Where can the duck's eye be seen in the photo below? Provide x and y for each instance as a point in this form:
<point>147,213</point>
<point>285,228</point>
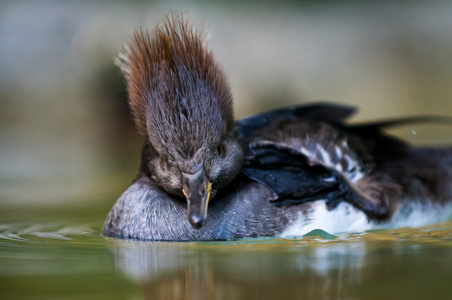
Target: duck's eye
<point>220,150</point>
<point>162,161</point>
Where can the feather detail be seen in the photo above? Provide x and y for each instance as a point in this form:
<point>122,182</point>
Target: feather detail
<point>158,66</point>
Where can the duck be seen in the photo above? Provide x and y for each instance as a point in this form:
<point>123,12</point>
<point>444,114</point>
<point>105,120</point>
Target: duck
<point>206,176</point>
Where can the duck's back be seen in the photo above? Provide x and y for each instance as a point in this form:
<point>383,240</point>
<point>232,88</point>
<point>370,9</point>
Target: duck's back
<point>381,176</point>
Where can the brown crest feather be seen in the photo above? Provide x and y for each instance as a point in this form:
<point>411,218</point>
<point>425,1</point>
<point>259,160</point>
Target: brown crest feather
<point>149,63</point>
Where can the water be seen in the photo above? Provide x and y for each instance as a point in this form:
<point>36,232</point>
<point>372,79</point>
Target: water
<point>60,254</point>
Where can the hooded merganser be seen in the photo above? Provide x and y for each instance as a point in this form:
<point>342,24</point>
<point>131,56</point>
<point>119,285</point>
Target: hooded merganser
<point>289,158</point>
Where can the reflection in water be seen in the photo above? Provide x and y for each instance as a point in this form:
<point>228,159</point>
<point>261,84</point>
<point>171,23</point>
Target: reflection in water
<point>242,271</point>
<point>380,265</point>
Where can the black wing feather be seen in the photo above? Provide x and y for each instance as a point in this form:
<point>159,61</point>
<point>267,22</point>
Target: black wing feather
<point>326,112</point>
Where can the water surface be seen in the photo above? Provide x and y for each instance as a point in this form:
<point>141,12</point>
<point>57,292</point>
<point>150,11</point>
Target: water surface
<point>62,255</point>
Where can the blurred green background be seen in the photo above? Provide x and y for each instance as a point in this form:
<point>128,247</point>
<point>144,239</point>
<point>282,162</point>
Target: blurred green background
<point>66,137</point>
<point>68,147</point>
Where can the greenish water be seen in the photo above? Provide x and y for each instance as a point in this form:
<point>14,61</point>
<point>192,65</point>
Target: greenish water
<point>61,254</point>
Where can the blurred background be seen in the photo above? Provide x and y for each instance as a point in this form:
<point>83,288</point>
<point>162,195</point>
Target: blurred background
<point>66,136</point>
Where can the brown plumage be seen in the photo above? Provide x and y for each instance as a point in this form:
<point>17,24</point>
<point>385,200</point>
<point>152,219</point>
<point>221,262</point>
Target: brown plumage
<point>156,65</point>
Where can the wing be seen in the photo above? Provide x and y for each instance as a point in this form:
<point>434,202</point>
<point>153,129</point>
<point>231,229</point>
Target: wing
<point>289,175</point>
<point>295,178</point>
<point>327,112</point>
<point>307,160</point>
<point>307,153</point>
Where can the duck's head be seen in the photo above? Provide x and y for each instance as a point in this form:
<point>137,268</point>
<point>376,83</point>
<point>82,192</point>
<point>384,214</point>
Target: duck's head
<point>182,104</point>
